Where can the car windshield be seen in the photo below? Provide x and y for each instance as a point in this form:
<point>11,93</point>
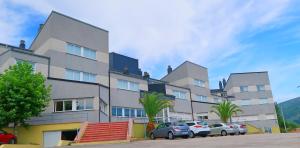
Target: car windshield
<point>2,132</point>
<point>202,123</point>
<point>177,124</point>
<point>190,124</point>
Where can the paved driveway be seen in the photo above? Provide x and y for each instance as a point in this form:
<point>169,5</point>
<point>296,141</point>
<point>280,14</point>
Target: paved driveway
<point>245,141</point>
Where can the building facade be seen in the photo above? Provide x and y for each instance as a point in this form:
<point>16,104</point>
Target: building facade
<point>252,92</point>
<point>91,84</point>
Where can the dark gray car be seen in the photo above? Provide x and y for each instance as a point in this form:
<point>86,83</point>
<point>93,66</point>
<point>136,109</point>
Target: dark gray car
<point>170,130</point>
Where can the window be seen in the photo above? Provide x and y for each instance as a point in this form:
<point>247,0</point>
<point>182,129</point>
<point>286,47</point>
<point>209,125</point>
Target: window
<point>88,77</point>
<point>74,49</point>
<point>73,105</point>
<point>132,113</point>
<point>80,76</point>
<point>114,111</point>
<point>59,106</point>
<point>80,104</point>
<point>128,85</point>
<point>89,104</point>
<point>179,94</point>
<point>143,113</point>
<point>67,105</point>
<point>103,107</point>
<point>200,83</point>
<point>217,100</point>
<point>201,98</point>
<point>73,75</point>
<point>244,88</point>
<point>260,87</point>
<point>127,112</point>
<point>202,117</point>
<point>81,51</point>
<point>119,112</point>
<point>122,84</point>
<point>133,86</point>
<point>263,101</point>
<point>89,53</point>
<point>33,65</point>
<point>245,102</point>
<point>139,113</point>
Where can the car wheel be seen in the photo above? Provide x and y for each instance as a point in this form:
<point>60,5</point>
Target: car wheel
<point>204,135</point>
<point>192,135</point>
<point>12,141</point>
<point>152,136</point>
<point>170,136</point>
<point>223,133</point>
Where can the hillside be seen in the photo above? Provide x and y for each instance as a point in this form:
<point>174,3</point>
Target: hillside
<point>291,110</point>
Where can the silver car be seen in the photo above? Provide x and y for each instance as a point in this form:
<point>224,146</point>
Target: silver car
<point>222,129</point>
<point>242,128</point>
<point>171,130</point>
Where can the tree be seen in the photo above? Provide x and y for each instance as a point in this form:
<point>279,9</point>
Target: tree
<point>23,94</point>
<point>225,110</point>
<point>153,103</point>
<point>289,125</point>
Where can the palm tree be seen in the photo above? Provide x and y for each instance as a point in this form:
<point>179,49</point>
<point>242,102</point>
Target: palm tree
<point>225,110</point>
<point>153,103</point>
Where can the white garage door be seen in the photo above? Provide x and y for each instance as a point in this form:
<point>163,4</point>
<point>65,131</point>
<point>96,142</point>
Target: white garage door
<point>51,139</point>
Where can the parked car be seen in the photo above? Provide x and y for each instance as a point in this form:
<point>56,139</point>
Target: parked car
<point>170,130</point>
<point>7,138</point>
<point>221,129</point>
<point>242,128</point>
<point>198,128</point>
<point>235,129</point>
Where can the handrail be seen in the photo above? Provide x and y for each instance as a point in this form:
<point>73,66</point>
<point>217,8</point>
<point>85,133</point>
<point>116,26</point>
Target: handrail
<point>81,131</point>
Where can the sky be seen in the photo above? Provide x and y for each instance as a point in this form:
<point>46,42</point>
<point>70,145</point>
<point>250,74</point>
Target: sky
<point>224,36</point>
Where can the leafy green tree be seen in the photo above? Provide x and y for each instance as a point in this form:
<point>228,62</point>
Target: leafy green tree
<point>23,94</point>
<point>153,103</point>
<point>289,124</point>
<point>225,110</point>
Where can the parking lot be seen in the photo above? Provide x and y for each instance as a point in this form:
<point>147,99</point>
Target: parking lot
<point>245,141</point>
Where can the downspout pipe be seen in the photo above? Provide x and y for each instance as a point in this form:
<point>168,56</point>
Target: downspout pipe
<point>109,99</point>
<point>192,105</point>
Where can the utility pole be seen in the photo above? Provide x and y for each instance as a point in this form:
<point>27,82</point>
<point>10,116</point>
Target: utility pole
<point>283,118</point>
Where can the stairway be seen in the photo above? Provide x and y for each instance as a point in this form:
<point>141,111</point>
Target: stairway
<point>98,132</point>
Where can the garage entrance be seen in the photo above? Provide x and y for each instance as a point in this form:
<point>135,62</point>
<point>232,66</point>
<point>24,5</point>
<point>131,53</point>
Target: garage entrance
<point>52,138</point>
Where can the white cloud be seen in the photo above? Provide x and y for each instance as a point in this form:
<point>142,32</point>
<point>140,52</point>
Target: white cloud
<point>170,31</point>
<point>10,23</point>
<point>162,32</point>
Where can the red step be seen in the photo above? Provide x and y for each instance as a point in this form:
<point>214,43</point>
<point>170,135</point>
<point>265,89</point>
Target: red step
<point>95,132</point>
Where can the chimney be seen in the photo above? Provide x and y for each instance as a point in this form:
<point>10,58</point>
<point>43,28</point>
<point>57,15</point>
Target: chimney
<point>146,75</point>
<point>169,69</point>
<point>22,44</point>
<point>220,85</point>
<point>140,73</point>
<point>41,27</point>
<point>224,82</point>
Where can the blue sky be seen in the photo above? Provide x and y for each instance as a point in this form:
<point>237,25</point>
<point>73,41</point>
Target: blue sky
<point>224,36</point>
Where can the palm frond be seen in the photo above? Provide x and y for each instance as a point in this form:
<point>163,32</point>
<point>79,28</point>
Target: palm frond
<point>225,110</point>
<point>153,103</point>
